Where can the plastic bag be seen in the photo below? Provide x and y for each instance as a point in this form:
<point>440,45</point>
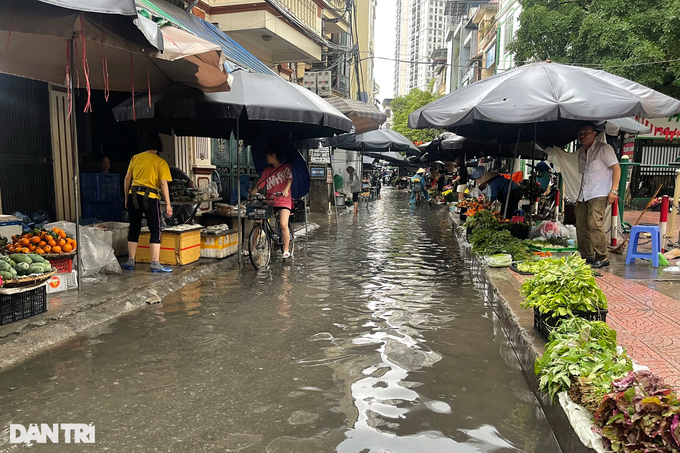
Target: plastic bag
<point>550,230</point>
<point>500,260</point>
<point>95,255</point>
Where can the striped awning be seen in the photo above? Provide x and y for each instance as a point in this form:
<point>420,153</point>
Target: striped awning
<point>237,57</point>
<point>365,117</point>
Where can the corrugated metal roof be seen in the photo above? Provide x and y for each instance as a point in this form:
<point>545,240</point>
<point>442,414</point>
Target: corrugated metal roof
<point>237,56</point>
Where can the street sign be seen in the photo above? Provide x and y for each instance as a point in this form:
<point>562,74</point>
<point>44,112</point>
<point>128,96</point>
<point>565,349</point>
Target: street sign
<point>317,172</point>
<point>320,156</point>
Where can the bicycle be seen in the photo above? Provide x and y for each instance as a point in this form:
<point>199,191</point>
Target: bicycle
<point>262,236</point>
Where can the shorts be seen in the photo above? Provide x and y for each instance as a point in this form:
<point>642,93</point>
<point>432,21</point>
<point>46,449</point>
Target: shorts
<point>461,188</point>
<point>355,197</point>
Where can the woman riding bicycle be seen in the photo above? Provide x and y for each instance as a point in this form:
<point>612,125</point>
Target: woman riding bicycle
<point>277,180</point>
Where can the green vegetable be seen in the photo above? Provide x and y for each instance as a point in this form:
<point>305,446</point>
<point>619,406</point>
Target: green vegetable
<point>484,220</point>
<point>529,266</point>
<point>486,242</point>
<point>21,258</point>
<point>6,276</point>
<point>36,268</point>
<point>562,286</point>
<point>587,355</point>
<point>5,258</point>
<point>22,268</point>
<point>4,266</point>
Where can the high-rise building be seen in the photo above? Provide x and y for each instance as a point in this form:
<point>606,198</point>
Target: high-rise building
<point>401,49</point>
<point>426,23</point>
<point>363,83</point>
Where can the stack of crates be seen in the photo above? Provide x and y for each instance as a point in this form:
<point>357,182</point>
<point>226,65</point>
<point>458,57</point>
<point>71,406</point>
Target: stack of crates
<point>101,196</point>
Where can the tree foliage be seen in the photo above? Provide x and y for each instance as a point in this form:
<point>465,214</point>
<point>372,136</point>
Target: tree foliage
<point>623,37</point>
<point>403,105</point>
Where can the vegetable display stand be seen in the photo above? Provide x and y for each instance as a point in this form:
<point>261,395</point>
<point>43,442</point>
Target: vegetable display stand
<point>22,303</point>
<point>179,245</point>
<point>545,323</point>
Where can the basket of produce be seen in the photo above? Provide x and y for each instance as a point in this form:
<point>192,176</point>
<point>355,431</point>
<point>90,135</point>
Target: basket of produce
<point>24,269</point>
<point>52,244</point>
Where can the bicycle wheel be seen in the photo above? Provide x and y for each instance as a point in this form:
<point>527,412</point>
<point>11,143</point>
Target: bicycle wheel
<point>291,244</point>
<point>259,246</point>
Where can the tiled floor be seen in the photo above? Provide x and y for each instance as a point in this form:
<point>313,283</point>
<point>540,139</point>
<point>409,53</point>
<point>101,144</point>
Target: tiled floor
<point>647,323</point>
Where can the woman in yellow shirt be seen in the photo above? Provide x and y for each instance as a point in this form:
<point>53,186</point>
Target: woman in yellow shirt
<point>146,180</point>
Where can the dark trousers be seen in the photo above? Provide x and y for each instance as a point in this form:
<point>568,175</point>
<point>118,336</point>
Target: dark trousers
<point>513,203</point>
<point>153,218</point>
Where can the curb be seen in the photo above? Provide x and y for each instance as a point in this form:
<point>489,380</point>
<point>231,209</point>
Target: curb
<point>526,344</point>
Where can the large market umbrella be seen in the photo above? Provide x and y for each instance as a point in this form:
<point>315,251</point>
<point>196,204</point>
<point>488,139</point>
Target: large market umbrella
<point>543,101</point>
<point>381,140</point>
<point>256,104</point>
<point>449,146</point>
<point>392,157</point>
<point>365,117</point>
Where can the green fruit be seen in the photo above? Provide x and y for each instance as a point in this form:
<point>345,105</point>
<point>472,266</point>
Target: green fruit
<point>35,269</point>
<point>13,272</point>
<point>4,266</point>
<point>5,258</point>
<point>36,258</point>
<point>47,267</point>
<point>21,258</point>
<point>6,276</point>
<point>22,268</point>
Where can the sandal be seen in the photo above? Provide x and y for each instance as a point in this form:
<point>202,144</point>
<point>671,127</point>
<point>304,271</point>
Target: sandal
<point>245,253</point>
<point>286,255</point>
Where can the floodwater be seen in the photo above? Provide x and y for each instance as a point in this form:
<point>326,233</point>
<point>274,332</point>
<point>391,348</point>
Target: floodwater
<point>374,339</point>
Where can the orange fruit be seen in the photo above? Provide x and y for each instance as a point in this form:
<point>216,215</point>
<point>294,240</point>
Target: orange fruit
<point>42,243</point>
<point>62,234</point>
<point>35,239</point>
<point>74,245</point>
<point>56,249</point>
<point>51,243</point>
<point>24,250</point>
<point>24,242</point>
<point>61,242</point>
<point>39,251</point>
<point>67,248</point>
<point>69,241</point>
<point>32,247</point>
<point>47,248</point>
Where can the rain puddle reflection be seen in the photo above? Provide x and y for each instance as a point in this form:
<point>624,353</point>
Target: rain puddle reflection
<point>374,339</point>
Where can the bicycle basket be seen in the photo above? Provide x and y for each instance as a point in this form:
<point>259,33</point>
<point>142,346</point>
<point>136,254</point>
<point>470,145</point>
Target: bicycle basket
<point>258,210</point>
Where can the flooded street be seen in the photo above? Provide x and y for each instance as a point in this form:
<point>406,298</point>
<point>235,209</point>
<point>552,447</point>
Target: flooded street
<point>374,339</point>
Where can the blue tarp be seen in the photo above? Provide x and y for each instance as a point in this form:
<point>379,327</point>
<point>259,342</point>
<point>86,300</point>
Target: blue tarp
<point>237,56</point>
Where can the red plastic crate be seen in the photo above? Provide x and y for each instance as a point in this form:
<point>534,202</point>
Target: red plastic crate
<point>63,265</point>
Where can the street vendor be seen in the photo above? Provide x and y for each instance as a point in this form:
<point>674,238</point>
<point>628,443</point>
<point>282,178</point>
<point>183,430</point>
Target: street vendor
<point>146,180</point>
<point>498,191</point>
<point>601,173</point>
<point>461,179</point>
<point>418,184</point>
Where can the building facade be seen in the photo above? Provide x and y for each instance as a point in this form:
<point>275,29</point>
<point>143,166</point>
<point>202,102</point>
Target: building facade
<point>401,48</point>
<point>508,24</point>
<point>363,79</point>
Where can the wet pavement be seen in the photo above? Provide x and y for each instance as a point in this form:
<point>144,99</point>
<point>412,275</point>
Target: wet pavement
<point>374,339</point>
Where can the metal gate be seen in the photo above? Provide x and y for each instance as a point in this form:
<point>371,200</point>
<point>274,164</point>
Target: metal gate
<point>646,178</point>
<point>224,158</point>
<point>26,178</point>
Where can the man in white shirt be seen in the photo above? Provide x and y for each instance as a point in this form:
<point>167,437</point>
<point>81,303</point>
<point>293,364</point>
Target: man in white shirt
<point>601,173</point>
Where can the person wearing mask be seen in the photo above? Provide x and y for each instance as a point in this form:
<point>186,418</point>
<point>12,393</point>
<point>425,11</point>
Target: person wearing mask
<point>498,191</point>
<point>601,173</point>
<point>277,180</point>
<point>354,186</point>
<point>145,182</point>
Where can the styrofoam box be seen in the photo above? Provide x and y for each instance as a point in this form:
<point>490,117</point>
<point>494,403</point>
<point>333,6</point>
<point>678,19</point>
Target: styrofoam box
<point>219,246</point>
<point>113,233</point>
<point>62,282</point>
<point>10,225</point>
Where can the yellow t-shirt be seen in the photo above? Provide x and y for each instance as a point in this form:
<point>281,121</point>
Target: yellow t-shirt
<point>147,170</point>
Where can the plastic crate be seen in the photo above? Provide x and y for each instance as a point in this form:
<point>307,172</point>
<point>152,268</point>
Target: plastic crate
<point>14,307</point>
<point>100,187</point>
<point>63,265</point>
<point>544,323</point>
<point>104,211</point>
<point>62,282</point>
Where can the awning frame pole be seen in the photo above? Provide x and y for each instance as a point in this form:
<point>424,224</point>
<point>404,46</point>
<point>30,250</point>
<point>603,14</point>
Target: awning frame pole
<point>74,163</point>
<point>512,167</point>
<point>238,190</point>
<point>335,199</point>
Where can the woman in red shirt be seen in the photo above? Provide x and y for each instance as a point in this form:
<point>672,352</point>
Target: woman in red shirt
<point>277,178</point>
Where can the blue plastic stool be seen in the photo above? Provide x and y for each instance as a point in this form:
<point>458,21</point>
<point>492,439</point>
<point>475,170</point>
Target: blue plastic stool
<point>633,244</point>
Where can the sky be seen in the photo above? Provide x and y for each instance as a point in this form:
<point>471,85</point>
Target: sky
<point>384,38</point>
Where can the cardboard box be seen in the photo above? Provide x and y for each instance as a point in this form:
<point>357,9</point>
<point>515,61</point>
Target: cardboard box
<point>219,245</point>
<point>177,247</point>
<point>62,282</point>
